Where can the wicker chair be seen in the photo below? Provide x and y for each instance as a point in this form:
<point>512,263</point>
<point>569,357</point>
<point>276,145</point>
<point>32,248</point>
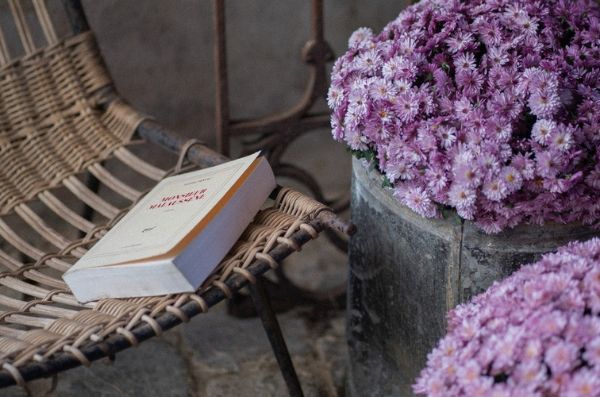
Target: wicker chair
<point>71,164</point>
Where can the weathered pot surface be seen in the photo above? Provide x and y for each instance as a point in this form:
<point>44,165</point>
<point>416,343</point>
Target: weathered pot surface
<point>407,271</point>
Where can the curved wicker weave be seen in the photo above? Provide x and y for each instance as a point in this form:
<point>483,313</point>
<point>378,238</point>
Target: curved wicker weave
<point>60,121</point>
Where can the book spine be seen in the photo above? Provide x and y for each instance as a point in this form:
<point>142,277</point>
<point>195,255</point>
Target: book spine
<point>201,257</point>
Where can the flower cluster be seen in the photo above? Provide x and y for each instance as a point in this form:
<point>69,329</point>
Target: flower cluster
<point>535,334</point>
<point>489,107</point>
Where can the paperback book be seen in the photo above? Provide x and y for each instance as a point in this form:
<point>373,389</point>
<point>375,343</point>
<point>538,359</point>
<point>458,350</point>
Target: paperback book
<point>173,238</point>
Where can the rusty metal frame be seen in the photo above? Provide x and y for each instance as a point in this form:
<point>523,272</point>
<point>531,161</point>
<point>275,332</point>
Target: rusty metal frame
<point>273,135</point>
<point>276,132</point>
<point>279,129</point>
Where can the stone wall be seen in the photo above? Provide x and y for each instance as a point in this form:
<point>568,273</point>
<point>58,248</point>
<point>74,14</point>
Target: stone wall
<point>160,52</point>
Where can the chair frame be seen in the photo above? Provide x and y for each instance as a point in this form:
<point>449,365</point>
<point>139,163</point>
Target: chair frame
<point>153,132</point>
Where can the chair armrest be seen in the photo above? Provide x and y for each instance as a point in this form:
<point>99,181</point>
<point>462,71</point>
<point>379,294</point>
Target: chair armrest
<point>198,154</point>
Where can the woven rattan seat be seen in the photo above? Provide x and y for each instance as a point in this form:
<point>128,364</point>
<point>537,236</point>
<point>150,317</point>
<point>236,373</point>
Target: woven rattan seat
<point>71,164</point>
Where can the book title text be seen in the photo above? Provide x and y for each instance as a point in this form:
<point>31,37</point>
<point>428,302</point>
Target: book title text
<point>170,201</point>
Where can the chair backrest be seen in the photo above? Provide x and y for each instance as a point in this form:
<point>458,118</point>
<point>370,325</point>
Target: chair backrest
<point>53,122</point>
<point>60,122</point>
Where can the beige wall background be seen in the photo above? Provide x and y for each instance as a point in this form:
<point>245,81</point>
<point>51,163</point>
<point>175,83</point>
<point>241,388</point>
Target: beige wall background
<point>160,53</point>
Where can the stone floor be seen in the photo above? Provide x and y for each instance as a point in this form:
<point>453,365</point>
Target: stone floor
<point>218,355</point>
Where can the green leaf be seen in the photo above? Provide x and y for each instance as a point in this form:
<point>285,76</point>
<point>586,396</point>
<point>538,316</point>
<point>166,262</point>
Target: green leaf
<point>386,182</point>
<point>368,154</point>
<point>356,153</point>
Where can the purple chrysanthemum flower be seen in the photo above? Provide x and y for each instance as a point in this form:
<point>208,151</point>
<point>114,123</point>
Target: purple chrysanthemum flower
<point>459,41</point>
<point>543,81</point>
<point>528,24</point>
<point>361,38</point>
<point>359,102</point>
<point>495,189</point>
<point>561,357</point>
<point>461,196</point>
<point>592,351</point>
<point>399,170</point>
<point>512,178</point>
<point>505,106</point>
<point>417,200</point>
<point>402,85</point>
<point>463,108</point>
<point>355,139</point>
<point>335,97</point>
<point>585,383</point>
<point>406,69</point>
<point>520,338</point>
<point>407,106</point>
<point>498,129</point>
<point>464,62</point>
<point>390,68</point>
<point>383,112</point>
<point>382,90</point>
<point>561,140</point>
<point>507,79</point>
<point>524,165</point>
<point>369,61</point>
<point>593,179</point>
<point>470,82</point>
<point>542,131</point>
<point>548,163</point>
<point>497,56</point>
<point>407,46</point>
<point>446,135</point>
<point>544,103</point>
<point>437,180</point>
<point>337,126</point>
<point>467,174</point>
<point>513,83</point>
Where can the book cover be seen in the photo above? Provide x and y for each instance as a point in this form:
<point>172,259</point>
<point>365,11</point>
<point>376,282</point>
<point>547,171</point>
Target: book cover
<point>172,239</point>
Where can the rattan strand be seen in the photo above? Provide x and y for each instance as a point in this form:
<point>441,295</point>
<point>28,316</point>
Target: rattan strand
<point>47,149</point>
<point>52,132</point>
<point>65,329</point>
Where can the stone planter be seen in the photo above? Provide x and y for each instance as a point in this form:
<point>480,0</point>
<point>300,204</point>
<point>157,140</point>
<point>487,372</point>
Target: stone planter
<point>406,272</point>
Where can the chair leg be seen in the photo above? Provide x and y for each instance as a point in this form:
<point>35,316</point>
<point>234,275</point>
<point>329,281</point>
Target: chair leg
<point>271,325</point>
